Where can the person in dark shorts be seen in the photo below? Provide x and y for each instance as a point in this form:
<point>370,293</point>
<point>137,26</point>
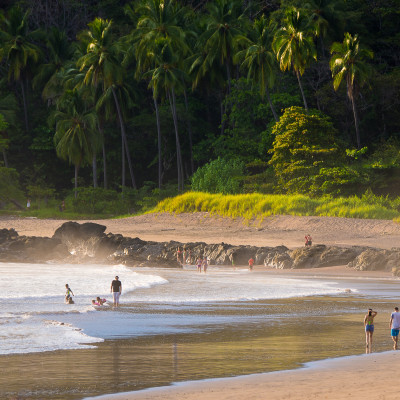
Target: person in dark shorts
<point>68,294</point>
<point>116,290</point>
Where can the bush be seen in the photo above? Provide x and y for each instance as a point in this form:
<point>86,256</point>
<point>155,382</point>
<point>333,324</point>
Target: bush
<point>219,176</point>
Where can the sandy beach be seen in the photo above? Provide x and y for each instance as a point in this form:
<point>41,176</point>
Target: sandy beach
<point>342,378</point>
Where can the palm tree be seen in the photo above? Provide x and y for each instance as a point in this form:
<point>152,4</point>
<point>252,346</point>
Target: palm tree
<point>101,65</point>
<point>294,45</point>
<point>18,50</point>
<point>156,20</point>
<point>223,25</point>
<point>167,77</point>
<point>59,55</point>
<point>75,126</point>
<point>259,60</point>
<point>348,62</point>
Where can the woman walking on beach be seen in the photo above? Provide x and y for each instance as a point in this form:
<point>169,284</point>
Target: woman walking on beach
<point>369,329</point>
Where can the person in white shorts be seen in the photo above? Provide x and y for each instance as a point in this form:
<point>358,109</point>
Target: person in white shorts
<point>394,325</point>
<point>116,290</point>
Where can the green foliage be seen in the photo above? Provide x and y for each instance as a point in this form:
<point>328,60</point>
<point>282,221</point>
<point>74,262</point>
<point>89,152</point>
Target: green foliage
<point>219,176</point>
<point>304,144</point>
<point>9,187</point>
<point>251,206</point>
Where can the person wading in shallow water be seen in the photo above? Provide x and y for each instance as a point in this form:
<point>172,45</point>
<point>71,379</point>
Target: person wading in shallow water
<point>369,329</point>
<point>116,290</point>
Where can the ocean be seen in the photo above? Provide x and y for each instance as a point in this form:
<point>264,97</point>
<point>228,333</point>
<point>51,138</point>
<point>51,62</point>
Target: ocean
<point>183,324</point>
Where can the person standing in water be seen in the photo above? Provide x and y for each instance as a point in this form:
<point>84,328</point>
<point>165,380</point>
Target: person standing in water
<point>68,294</point>
<point>251,263</point>
<point>369,329</point>
<point>199,264</point>
<point>116,290</point>
<point>205,264</point>
<point>394,325</point>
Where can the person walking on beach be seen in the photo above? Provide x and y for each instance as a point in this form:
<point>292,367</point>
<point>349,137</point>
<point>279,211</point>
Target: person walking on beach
<point>394,325</point>
<point>116,290</point>
<point>68,293</point>
<point>369,329</point>
<point>251,263</point>
<point>308,240</point>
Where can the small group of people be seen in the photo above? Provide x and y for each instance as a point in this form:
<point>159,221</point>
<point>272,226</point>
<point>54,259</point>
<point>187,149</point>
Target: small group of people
<point>184,257</point>
<point>394,326</point>
<point>116,290</point>
<point>98,301</point>
<point>202,263</point>
<point>307,240</point>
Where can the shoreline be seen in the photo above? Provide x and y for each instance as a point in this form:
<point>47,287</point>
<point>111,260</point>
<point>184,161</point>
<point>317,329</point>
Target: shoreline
<point>335,378</point>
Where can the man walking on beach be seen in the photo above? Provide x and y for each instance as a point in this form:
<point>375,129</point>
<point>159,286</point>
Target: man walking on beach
<point>394,325</point>
<point>116,290</point>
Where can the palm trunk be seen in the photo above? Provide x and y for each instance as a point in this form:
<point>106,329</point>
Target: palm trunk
<point>222,116</point>
<point>123,133</point>
<point>190,133</point>
<point>353,103</point>
<point>25,104</point>
<point>76,181</point>
<point>94,169</point>
<point>228,75</point>
<point>178,146</point>
<point>5,158</point>
<point>104,155</point>
<point>105,183</point>
<point>158,142</point>
<point>302,92</point>
<point>123,163</point>
<point>270,103</point>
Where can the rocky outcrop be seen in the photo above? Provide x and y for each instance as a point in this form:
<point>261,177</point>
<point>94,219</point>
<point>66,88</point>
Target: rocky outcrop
<point>88,243</point>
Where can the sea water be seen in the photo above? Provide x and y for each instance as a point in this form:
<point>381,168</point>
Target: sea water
<point>35,318</point>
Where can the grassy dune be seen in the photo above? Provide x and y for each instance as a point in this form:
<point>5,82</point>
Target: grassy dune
<point>256,205</point>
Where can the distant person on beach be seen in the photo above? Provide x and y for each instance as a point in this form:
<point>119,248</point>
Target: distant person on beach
<point>68,294</point>
<point>251,263</point>
<point>178,255</point>
<point>308,240</point>
<point>205,264</point>
<point>62,206</point>
<point>369,329</point>
<point>199,264</point>
<point>394,325</point>
<point>28,204</point>
<point>116,290</point>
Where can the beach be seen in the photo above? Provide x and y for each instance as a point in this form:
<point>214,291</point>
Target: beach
<point>224,327</point>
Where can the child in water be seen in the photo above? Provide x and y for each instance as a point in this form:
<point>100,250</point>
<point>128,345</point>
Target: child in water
<point>68,294</point>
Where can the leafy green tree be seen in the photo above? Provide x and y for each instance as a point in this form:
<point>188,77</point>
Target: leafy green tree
<point>18,49</point>
<point>75,127</point>
<point>304,144</point>
<point>3,140</point>
<point>348,62</point>
<point>294,45</point>
<point>219,176</point>
<point>101,65</point>
<point>10,192</point>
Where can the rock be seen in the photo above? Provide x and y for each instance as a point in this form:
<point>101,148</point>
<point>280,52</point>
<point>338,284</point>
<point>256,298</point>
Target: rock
<point>377,260</point>
<point>72,232</point>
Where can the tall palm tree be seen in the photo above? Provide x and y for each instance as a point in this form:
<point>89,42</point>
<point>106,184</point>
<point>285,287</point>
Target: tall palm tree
<point>75,126</point>
<point>18,50</point>
<point>101,65</point>
<point>348,62</point>
<point>156,20</point>
<point>259,60</point>
<point>294,45</point>
<point>167,77</point>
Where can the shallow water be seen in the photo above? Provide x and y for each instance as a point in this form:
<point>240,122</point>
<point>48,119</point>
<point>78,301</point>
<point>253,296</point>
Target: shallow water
<point>180,325</point>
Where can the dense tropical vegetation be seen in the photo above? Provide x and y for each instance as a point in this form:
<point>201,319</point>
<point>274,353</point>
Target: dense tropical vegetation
<point>115,105</point>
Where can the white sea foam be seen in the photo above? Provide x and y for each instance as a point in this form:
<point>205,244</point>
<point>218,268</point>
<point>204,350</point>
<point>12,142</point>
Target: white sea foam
<point>32,304</point>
